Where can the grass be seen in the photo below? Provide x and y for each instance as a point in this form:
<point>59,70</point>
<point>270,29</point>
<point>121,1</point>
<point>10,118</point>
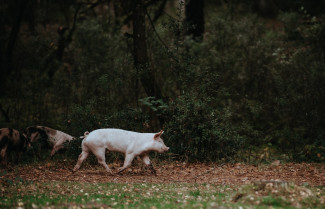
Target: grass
<point>27,194</point>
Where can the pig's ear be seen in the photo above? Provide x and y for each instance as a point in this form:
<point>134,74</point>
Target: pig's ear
<point>157,135</point>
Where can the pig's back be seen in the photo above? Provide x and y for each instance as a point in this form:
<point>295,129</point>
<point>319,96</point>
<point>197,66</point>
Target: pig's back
<point>114,139</point>
<point>110,134</point>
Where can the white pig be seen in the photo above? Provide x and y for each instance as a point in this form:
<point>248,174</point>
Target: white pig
<point>130,143</point>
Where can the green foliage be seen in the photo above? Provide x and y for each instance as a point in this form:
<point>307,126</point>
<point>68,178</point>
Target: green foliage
<point>200,132</point>
<point>300,98</point>
<point>240,82</point>
<point>251,82</point>
<point>156,105</point>
<point>73,148</point>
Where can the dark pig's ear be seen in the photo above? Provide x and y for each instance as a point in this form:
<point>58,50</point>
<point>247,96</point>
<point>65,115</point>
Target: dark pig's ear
<point>157,135</point>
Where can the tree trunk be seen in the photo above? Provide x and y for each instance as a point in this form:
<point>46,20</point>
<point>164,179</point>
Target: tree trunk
<point>267,8</point>
<point>195,18</point>
<point>141,61</point>
<point>7,57</point>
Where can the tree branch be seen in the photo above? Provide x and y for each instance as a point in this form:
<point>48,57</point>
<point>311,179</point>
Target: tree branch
<point>160,11</point>
<point>63,42</point>
<point>154,29</point>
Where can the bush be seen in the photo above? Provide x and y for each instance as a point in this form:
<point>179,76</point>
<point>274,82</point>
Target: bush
<point>199,132</point>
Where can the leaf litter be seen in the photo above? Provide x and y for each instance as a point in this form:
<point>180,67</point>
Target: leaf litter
<point>174,172</point>
<point>289,184</point>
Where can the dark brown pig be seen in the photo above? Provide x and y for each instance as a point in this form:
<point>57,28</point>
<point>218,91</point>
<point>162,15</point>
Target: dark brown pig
<point>12,140</point>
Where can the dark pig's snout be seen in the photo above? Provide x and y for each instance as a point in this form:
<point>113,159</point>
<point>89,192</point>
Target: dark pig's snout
<point>29,146</point>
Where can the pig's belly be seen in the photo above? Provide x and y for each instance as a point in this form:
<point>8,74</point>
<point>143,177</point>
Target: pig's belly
<point>113,147</point>
<point>94,144</point>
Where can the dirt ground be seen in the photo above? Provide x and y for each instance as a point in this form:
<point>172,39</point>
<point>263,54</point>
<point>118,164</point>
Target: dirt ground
<point>175,172</point>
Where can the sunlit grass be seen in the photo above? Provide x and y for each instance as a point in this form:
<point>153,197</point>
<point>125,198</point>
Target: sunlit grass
<point>27,194</point>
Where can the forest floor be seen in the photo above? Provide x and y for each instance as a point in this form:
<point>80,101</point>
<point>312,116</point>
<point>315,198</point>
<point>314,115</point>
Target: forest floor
<point>312,174</point>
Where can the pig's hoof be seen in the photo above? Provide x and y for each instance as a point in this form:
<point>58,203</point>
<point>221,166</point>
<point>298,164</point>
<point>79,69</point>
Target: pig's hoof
<point>119,170</point>
<point>154,172</point>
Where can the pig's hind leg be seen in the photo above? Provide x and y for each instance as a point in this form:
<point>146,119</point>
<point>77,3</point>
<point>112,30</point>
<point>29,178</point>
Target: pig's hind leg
<point>100,154</point>
<point>84,154</point>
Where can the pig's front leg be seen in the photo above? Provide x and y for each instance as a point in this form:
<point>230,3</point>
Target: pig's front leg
<point>19,157</point>
<point>4,156</point>
<point>127,162</point>
<point>146,160</point>
<point>55,149</point>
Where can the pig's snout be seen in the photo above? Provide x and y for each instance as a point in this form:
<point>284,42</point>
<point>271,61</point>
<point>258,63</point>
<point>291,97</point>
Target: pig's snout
<point>165,149</point>
<point>27,144</point>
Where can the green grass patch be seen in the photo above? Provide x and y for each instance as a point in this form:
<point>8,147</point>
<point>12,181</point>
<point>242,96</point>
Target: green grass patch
<point>28,194</point>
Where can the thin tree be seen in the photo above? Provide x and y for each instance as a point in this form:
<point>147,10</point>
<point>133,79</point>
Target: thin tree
<point>195,18</point>
<point>140,54</point>
<point>6,62</point>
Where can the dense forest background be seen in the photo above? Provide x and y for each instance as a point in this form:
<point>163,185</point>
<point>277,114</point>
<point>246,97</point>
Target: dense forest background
<point>226,80</point>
